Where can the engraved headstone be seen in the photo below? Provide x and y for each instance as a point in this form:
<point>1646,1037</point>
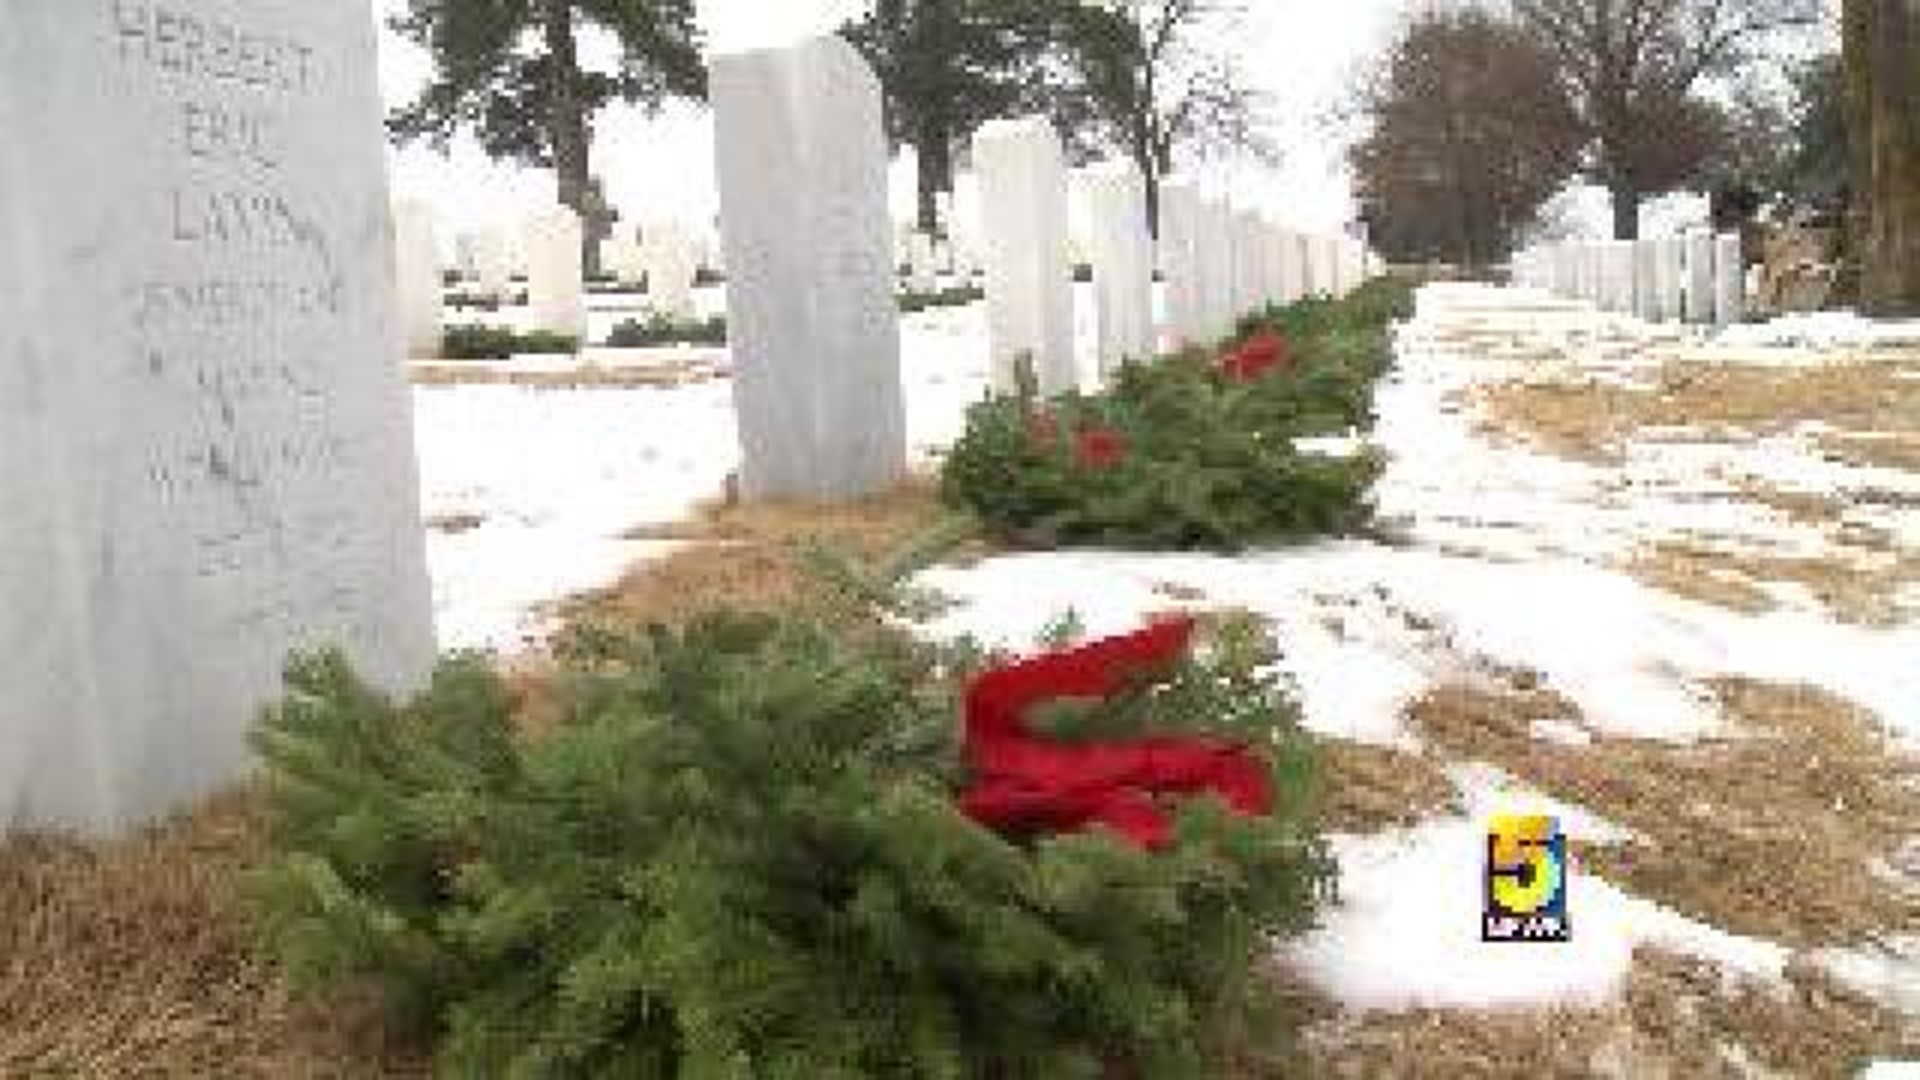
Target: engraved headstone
<point>811,313</point>
<point>1121,248</point>
<point>1023,206</point>
<point>419,278</point>
<point>206,454</point>
<point>555,287</point>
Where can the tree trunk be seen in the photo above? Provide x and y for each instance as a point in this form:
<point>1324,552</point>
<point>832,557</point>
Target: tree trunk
<point>934,147</point>
<point>567,129</point>
<point>1882,72</point>
<point>1626,210</point>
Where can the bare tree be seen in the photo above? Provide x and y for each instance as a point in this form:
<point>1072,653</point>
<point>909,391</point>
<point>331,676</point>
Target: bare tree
<point>1633,67</point>
<point>1164,82</point>
<point>1469,134</point>
<point>1882,58</point>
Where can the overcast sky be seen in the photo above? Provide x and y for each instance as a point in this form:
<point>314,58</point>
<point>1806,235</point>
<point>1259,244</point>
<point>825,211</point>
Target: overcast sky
<point>1301,52</point>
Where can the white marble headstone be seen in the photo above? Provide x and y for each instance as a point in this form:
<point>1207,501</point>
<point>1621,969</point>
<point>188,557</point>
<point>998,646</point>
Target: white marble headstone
<point>1178,257</point>
<point>1023,206</point>
<point>490,262</point>
<point>1121,248</point>
<point>1216,267</point>
<point>418,277</point>
<point>556,291</point>
<point>812,320</point>
<point>1700,277</point>
<point>669,256</point>
<point>1730,280</point>
<point>206,452</point>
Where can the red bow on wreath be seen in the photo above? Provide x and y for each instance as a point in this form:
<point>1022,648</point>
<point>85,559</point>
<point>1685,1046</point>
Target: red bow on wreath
<point>1026,784</point>
<point>1256,356</point>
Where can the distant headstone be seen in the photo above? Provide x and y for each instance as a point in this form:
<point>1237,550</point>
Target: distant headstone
<point>1730,280</point>
<point>1179,262</point>
<point>1616,269</point>
<point>1247,262</point>
<point>1216,267</point>
<point>621,258</point>
<point>419,280</point>
<point>1322,262</point>
<point>1669,278</point>
<point>670,258</point>
<point>1646,274</point>
<point>206,452</point>
<point>492,272</point>
<point>811,315</point>
<point>555,288</point>
<point>923,269</point>
<point>1121,248</point>
<point>1700,278</point>
<point>1293,267</point>
<point>1023,205</point>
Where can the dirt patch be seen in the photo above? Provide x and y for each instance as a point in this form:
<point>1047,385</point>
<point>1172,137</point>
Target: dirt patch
<point>1678,1017</point>
<point>1368,789</point>
<point>586,377</point>
<point>1770,832</point>
<point>134,958</point>
<point>1591,421</point>
<point>1860,583</point>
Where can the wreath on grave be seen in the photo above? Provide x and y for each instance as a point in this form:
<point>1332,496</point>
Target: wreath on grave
<point>754,847</point>
<point>1195,451</point>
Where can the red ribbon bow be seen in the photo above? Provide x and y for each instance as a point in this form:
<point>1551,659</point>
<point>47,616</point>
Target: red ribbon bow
<point>1026,784</point>
<point>1256,356</point>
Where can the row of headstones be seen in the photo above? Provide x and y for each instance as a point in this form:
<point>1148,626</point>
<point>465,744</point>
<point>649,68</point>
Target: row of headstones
<point>1217,263</point>
<point>205,433</point>
<point>1696,278</point>
<point>667,257</point>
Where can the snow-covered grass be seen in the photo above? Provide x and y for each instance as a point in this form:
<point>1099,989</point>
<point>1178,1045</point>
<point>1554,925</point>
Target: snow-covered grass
<point>559,478</point>
<point>1514,559</point>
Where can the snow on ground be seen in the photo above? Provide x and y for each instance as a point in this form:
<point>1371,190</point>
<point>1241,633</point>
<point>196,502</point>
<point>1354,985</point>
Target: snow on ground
<point>558,478</point>
<point>1510,560</point>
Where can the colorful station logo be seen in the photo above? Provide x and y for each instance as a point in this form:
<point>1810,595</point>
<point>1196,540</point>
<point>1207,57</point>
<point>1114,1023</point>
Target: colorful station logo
<point>1526,880</point>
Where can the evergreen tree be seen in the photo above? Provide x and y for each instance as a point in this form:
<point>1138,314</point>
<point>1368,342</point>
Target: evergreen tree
<point>509,71</point>
<point>948,66</point>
